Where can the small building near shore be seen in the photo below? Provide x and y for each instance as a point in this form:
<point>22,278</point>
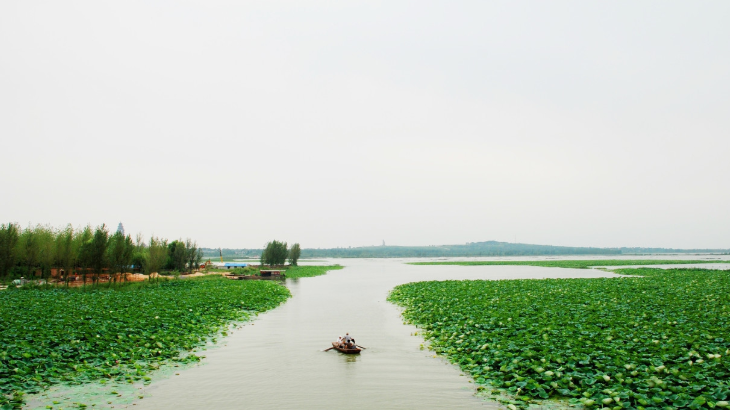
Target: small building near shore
<point>229,265</point>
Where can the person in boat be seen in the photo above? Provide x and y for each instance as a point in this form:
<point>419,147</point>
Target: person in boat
<point>339,341</point>
<point>349,341</point>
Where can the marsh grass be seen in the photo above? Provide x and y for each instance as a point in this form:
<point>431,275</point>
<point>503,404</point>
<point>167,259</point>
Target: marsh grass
<point>294,272</point>
<point>574,264</point>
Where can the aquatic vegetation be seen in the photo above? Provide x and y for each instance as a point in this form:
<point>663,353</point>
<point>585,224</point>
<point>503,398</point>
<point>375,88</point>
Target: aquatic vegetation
<point>576,264</point>
<point>309,271</point>
<point>657,341</point>
<point>79,335</point>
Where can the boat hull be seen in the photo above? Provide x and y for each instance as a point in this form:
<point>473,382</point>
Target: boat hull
<point>345,351</point>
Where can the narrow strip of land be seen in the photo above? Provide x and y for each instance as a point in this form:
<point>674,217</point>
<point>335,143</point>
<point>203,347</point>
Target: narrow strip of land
<point>576,264</point>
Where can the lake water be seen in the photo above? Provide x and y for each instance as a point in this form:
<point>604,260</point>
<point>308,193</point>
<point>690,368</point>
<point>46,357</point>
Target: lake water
<point>277,362</point>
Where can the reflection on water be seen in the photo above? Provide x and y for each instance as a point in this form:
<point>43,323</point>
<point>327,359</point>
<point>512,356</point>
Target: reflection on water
<point>285,348</point>
<point>348,358</point>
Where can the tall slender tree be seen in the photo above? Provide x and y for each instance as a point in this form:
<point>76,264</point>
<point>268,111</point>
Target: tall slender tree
<point>46,249</point>
<point>194,255</point>
<point>98,255</point>
<point>294,254</point>
<point>8,254</point>
<point>120,252</point>
<point>83,242</point>
<point>158,254</point>
<point>29,249</point>
<point>66,252</point>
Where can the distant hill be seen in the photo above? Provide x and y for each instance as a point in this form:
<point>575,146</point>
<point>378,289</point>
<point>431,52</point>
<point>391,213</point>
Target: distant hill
<point>488,248</point>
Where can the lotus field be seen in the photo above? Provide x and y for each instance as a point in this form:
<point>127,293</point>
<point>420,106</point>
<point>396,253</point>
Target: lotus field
<point>577,264</point>
<point>79,335</point>
<point>294,272</point>
<point>656,341</point>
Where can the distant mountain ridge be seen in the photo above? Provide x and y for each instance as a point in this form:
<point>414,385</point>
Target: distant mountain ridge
<point>487,248</point>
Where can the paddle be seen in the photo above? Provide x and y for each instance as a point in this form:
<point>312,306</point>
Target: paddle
<point>360,347</point>
<point>328,349</point>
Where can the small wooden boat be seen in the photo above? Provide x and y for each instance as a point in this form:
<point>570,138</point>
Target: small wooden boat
<point>356,350</point>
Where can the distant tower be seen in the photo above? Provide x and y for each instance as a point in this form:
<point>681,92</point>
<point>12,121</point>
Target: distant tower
<point>120,228</point>
<point>383,242</point>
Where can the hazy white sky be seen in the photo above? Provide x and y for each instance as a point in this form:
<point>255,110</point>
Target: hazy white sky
<point>343,123</point>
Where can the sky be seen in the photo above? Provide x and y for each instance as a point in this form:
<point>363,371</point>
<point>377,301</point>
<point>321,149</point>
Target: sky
<point>349,123</point>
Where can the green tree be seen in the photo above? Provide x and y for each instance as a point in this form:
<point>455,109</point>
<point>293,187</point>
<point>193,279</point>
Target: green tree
<point>194,255</point>
<point>141,260</point>
<point>157,254</point>
<point>141,255</point>
<point>120,252</point>
<point>83,243</point>
<point>66,252</point>
<point>178,255</point>
<point>97,252</point>
<point>294,253</point>
<point>29,249</point>
<point>8,254</point>
<point>275,253</point>
<point>46,249</point>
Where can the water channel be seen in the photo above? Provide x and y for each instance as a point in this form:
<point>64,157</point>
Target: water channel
<point>277,361</point>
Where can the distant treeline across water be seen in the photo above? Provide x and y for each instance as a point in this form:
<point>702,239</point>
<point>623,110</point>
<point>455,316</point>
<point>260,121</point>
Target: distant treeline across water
<point>488,248</point>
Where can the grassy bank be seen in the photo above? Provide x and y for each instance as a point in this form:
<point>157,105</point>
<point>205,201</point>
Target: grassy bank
<point>309,271</point>
<point>61,335</point>
<point>650,342</point>
<point>575,264</point>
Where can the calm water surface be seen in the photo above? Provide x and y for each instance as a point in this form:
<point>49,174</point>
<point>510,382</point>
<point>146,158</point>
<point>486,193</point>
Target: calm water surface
<point>278,361</point>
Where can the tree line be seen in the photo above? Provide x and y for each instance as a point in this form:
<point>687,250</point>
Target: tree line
<point>488,248</point>
<point>89,251</point>
<point>276,253</point>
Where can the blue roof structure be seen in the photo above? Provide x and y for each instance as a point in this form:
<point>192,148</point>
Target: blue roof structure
<point>235,265</point>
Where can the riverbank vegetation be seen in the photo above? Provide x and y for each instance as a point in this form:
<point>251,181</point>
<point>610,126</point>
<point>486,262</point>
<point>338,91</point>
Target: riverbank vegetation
<point>76,335</point>
<point>291,272</point>
<point>576,264</point>
<point>276,253</point>
<point>40,251</point>
<point>294,272</point>
<point>659,340</point>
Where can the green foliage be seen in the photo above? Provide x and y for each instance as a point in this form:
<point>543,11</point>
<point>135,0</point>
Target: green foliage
<point>248,270</point>
<point>141,260</point>
<point>633,342</point>
<point>79,335</point>
<point>66,251</point>
<point>275,253</point>
<point>309,271</point>
<point>194,255</point>
<point>177,256</point>
<point>120,252</point>
<point>157,254</point>
<point>29,248</point>
<point>9,236</point>
<point>294,253</point>
<point>97,248</point>
<point>576,264</point>
<point>183,256</point>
